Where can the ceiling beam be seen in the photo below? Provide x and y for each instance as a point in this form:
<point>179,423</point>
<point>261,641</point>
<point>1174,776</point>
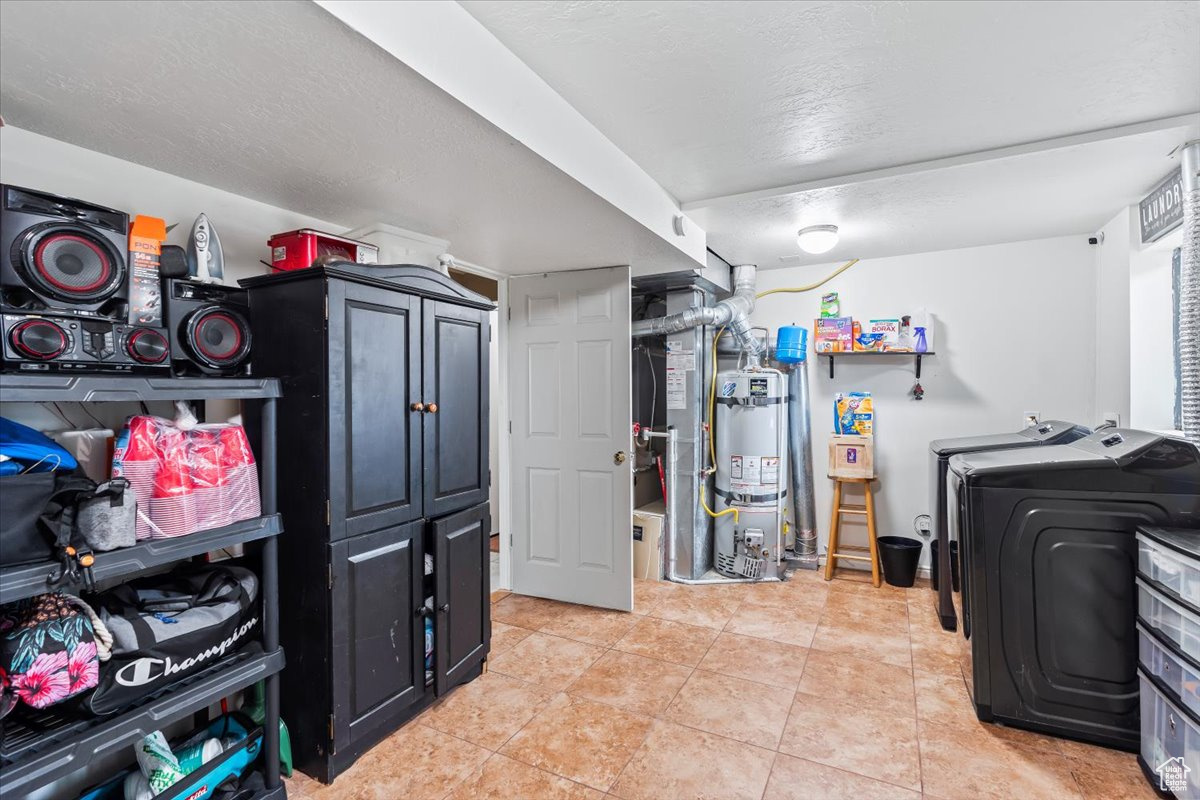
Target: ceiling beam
<point>965,159</point>
<point>454,51</point>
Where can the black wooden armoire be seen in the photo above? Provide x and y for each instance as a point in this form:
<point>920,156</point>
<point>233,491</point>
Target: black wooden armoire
<point>383,481</point>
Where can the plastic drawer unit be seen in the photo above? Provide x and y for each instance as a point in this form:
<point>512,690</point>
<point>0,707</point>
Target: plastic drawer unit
<point>1174,622</point>
<point>1170,750</point>
<point>1171,558</point>
<point>1175,672</point>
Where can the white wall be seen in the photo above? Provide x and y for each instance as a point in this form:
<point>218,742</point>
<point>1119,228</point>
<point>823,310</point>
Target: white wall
<point>1014,326</point>
<point>1152,335</point>
<point>1135,371</point>
<point>1112,323</point>
<point>39,162</point>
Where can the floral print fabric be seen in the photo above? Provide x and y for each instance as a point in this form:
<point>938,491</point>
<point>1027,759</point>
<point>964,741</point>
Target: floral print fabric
<point>49,652</point>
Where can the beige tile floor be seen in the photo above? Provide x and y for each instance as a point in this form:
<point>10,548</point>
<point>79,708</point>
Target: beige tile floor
<point>793,691</point>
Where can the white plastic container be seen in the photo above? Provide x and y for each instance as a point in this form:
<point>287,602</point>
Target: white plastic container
<point>1169,734</point>
<point>1169,559</point>
<point>1175,672</point>
<point>1172,621</point>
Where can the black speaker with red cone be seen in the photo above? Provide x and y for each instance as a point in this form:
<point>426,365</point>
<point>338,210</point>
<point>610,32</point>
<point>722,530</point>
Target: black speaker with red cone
<point>67,343</point>
<point>209,328</point>
<point>62,256</point>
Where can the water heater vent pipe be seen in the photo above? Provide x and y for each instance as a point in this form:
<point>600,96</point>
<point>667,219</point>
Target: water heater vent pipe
<point>733,313</point>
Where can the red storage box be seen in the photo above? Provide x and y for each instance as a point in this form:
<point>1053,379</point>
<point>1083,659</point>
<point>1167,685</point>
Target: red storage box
<point>298,249</point>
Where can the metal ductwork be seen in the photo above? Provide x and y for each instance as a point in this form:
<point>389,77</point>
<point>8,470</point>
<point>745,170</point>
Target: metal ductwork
<point>732,312</point>
<point>1189,295</point>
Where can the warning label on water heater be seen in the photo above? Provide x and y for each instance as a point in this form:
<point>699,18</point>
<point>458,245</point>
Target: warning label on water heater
<point>752,471</point>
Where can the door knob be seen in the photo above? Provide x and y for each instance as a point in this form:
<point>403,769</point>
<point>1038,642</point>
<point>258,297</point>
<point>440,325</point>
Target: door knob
<point>619,457</point>
<point>431,408</point>
<point>418,406</point>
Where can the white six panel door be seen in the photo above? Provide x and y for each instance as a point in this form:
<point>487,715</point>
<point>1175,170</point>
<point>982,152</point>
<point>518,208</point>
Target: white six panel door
<point>570,404</point>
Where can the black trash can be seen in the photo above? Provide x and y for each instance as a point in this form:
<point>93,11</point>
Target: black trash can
<point>898,555</point>
<point>933,564</point>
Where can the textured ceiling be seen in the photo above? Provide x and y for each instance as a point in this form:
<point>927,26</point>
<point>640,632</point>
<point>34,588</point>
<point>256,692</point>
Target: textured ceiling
<point>719,98</point>
<point>1070,191</point>
<point>279,102</point>
<point>716,98</point>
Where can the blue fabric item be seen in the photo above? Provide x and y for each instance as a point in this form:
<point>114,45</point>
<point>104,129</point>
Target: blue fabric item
<point>29,447</point>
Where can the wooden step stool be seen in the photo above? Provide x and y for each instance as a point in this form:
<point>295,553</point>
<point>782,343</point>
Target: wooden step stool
<point>835,524</point>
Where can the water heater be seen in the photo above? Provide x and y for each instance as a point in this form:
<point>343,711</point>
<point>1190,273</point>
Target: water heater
<point>752,477</point>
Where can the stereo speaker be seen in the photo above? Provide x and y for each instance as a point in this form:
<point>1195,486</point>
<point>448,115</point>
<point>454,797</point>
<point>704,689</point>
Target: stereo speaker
<point>209,328</point>
<point>45,343</point>
<point>62,256</point>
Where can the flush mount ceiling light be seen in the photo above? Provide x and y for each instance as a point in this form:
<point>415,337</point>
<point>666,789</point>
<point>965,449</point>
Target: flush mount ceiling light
<point>817,239</point>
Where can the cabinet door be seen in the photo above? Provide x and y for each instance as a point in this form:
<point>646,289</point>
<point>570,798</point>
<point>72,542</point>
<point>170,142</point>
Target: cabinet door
<point>456,380</point>
<point>462,594</point>
<point>378,658</point>
<point>374,373</point>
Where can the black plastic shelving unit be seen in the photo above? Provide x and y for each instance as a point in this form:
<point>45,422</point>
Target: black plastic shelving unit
<point>42,756</point>
<point>17,583</point>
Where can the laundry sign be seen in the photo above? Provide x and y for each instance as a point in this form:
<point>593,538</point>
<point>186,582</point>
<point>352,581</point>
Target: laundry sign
<point>1162,209</point>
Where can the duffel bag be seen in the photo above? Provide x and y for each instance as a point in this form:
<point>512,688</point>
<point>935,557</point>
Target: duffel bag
<point>22,539</point>
<point>166,628</point>
<point>54,532</point>
<point>49,651</point>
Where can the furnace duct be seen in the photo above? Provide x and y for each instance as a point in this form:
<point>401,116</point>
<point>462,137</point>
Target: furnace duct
<point>733,313</point>
<point>1189,295</point>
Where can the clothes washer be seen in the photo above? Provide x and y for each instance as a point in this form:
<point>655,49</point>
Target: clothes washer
<point>1045,433</point>
<point>1046,538</point>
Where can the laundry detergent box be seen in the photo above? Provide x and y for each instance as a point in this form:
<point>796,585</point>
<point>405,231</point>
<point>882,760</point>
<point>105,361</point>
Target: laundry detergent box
<point>834,335</point>
<point>866,341</point>
<point>888,331</point>
<point>853,414</point>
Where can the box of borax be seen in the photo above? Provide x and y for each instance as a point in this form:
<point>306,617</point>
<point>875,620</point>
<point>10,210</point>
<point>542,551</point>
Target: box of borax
<point>851,457</point>
<point>888,328</point>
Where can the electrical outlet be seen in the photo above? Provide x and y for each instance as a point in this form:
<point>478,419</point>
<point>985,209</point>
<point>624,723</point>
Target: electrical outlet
<point>1032,418</point>
<point>923,525</point>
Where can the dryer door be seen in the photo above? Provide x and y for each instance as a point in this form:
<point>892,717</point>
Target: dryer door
<point>1067,608</point>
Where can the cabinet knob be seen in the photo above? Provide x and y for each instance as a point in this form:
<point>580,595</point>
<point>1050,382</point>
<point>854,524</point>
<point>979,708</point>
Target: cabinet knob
<point>418,406</point>
<point>431,408</point>
<point>444,608</point>
<point>423,611</point>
